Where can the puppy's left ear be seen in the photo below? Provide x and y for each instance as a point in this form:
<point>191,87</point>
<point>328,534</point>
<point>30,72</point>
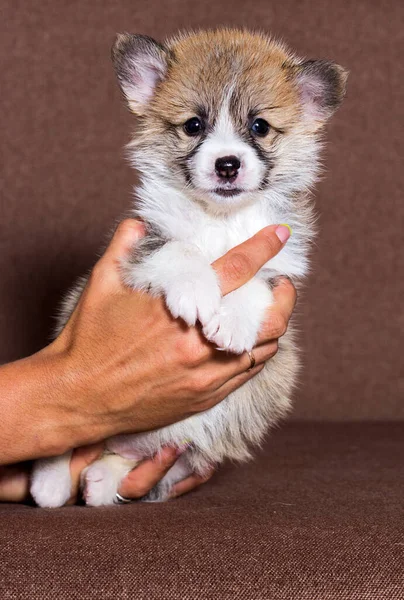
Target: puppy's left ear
<point>322,86</point>
<point>140,64</point>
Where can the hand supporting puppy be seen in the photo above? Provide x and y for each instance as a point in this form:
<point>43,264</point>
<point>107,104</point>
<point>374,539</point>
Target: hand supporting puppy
<point>102,377</point>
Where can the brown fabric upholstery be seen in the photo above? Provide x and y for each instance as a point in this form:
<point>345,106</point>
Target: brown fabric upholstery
<point>318,516</point>
<point>64,180</point>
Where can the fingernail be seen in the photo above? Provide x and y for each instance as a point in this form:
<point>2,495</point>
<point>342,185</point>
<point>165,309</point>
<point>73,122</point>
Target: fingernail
<point>283,231</point>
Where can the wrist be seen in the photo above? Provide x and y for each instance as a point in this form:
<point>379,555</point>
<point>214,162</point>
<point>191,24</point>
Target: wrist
<point>31,417</point>
<point>73,418</point>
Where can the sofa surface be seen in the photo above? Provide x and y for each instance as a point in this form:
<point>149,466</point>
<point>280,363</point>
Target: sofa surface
<point>317,516</point>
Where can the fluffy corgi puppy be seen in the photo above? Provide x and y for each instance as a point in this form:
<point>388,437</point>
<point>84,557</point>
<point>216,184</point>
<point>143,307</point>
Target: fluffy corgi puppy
<point>228,140</point>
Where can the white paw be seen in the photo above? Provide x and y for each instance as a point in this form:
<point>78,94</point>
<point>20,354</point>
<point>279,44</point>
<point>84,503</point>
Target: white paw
<point>99,485</point>
<point>230,332</point>
<point>100,482</point>
<point>51,488</point>
<point>194,298</point>
<point>235,327</point>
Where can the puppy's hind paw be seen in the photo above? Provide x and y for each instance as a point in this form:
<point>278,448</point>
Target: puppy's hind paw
<point>51,481</point>
<point>99,485</point>
<point>100,481</point>
<point>50,491</point>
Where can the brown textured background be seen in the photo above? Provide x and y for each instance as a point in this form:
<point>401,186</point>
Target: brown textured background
<point>64,180</point>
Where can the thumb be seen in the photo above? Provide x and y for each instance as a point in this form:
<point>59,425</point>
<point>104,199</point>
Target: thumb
<point>125,237</point>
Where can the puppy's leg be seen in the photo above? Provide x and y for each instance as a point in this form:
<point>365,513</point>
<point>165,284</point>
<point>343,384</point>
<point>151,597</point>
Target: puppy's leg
<point>185,278</point>
<point>51,481</point>
<point>235,327</point>
<point>101,480</point>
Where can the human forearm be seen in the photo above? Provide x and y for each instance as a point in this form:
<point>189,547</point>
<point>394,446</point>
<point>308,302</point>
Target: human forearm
<point>40,413</point>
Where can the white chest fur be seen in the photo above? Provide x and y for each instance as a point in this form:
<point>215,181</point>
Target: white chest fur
<point>182,219</point>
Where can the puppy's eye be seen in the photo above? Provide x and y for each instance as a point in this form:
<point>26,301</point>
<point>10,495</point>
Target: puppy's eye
<point>260,127</point>
<point>193,126</point>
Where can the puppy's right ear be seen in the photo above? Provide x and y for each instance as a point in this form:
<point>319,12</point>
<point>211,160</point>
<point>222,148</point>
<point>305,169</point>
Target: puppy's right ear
<point>140,64</point>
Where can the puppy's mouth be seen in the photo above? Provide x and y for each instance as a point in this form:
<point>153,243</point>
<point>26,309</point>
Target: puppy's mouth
<point>227,192</point>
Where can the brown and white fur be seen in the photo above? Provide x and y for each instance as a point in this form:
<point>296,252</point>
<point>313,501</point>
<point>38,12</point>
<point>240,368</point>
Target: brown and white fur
<point>195,212</point>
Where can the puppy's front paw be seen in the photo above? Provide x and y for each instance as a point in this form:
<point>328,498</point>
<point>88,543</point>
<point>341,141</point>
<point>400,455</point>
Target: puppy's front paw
<point>235,327</point>
<point>194,297</point>
<point>231,332</point>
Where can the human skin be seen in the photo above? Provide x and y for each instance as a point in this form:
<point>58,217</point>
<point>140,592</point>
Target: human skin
<point>102,376</point>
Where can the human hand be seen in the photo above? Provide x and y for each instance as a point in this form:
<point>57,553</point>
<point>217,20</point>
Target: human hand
<point>122,364</point>
<point>136,367</point>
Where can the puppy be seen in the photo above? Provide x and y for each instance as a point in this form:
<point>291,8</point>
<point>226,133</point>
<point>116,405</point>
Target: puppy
<point>228,142</point>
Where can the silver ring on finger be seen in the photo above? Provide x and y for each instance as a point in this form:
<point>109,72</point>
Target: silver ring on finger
<point>121,499</point>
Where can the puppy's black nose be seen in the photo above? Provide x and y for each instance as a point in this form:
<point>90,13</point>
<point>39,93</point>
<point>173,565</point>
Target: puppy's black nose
<point>227,167</point>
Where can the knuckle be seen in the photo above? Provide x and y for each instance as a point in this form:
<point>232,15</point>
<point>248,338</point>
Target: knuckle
<point>167,462</point>
<point>277,326</point>
<point>237,265</point>
<point>289,289</point>
<point>192,350</point>
<point>126,226</point>
<point>166,457</point>
<point>197,355</point>
<point>285,290</point>
<point>98,273</point>
<point>274,349</point>
<point>201,383</point>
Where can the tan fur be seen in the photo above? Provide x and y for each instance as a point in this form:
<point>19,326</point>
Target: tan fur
<point>209,63</point>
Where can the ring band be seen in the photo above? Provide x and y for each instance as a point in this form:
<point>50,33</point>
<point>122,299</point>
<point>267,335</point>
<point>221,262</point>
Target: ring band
<point>252,361</point>
<point>121,500</point>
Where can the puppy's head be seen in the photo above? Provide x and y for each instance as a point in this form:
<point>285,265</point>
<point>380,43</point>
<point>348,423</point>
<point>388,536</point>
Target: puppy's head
<point>226,114</point>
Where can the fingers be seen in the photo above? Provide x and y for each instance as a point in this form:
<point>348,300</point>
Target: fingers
<point>125,237</point>
<point>189,484</point>
<point>126,234</point>
<point>144,477</point>
<point>234,383</point>
<point>241,263</point>
<point>82,458</point>
<point>223,367</point>
<point>278,315</point>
